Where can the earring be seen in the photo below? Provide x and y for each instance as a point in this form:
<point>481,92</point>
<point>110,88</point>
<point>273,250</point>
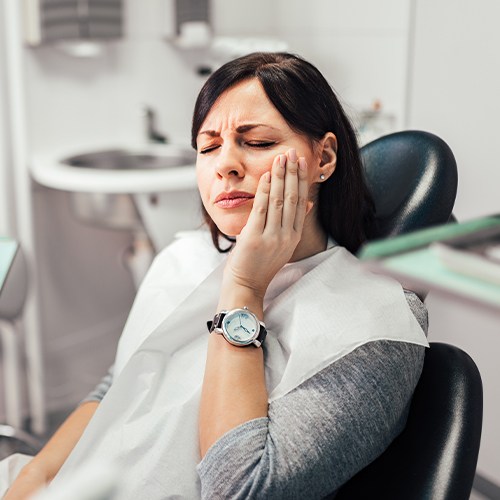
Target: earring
<point>322,177</point>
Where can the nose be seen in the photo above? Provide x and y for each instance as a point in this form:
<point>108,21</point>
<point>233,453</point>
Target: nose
<point>229,162</point>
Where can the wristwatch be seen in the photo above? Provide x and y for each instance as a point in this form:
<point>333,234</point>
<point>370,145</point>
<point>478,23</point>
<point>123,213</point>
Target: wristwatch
<point>239,327</point>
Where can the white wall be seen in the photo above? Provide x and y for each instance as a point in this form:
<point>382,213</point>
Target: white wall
<point>360,46</point>
<point>455,82</point>
<point>454,93</point>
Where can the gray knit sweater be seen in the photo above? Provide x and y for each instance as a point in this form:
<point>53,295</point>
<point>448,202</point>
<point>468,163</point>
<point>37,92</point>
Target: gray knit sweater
<point>320,434</point>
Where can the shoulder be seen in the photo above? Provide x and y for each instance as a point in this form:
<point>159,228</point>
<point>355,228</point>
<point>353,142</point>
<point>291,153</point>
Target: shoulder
<point>378,368</point>
<point>418,309</point>
<point>359,402</point>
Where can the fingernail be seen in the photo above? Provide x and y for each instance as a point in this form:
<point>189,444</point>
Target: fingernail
<point>267,177</point>
<point>282,161</point>
<point>292,154</point>
<point>302,163</point>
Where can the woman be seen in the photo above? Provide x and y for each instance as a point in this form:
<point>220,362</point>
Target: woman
<point>291,415</point>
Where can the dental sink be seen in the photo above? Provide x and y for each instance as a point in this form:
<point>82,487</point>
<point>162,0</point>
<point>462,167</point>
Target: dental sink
<point>124,187</point>
<point>121,159</point>
<point>146,168</point>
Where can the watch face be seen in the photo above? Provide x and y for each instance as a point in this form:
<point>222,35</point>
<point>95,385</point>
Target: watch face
<point>240,327</point>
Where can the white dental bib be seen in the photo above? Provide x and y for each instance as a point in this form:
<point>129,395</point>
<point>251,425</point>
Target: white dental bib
<point>316,311</point>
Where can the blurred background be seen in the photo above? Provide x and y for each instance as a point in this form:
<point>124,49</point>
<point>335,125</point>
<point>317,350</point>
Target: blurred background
<point>120,78</point>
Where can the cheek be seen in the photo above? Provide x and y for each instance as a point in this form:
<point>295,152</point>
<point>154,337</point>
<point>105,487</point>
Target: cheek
<point>203,181</point>
<point>313,169</point>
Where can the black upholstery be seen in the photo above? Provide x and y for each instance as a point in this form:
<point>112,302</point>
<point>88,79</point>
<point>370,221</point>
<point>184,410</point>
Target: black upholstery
<point>435,456</point>
<point>412,176</point>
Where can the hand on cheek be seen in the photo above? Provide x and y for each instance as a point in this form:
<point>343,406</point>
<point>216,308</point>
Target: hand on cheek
<point>274,226</point>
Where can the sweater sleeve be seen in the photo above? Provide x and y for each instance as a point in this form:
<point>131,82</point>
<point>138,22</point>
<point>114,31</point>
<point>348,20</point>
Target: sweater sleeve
<point>101,388</point>
<point>324,431</point>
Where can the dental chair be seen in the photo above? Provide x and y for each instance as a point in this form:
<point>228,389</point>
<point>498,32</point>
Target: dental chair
<point>413,178</point>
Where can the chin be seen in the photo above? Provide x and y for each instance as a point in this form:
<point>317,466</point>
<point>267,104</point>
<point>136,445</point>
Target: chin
<point>230,229</point>
<point>231,225</point>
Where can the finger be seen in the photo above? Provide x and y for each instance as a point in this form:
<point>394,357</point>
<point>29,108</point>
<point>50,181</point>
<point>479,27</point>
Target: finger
<point>258,214</point>
<point>291,191</point>
<point>303,205</point>
<point>275,210</point>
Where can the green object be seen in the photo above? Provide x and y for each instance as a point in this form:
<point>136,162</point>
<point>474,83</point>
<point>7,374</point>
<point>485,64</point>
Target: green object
<point>424,267</point>
<point>8,250</point>
<point>423,237</point>
<point>409,259</point>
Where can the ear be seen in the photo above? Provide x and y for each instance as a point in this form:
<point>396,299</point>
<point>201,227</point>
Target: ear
<point>328,155</point>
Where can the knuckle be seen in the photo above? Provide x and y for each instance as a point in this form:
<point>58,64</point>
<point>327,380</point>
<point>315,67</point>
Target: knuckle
<point>261,209</point>
<point>292,169</point>
<point>302,201</point>
<point>292,198</point>
<point>280,173</point>
<point>277,202</point>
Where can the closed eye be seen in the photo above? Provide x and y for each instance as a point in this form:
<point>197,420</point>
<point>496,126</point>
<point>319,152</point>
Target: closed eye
<point>252,144</point>
<point>261,144</point>
<point>207,150</point>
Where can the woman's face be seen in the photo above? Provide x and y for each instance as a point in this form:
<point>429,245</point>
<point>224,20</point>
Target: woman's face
<point>236,144</point>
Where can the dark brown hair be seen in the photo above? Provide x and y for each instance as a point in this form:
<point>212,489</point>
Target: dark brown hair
<point>310,107</point>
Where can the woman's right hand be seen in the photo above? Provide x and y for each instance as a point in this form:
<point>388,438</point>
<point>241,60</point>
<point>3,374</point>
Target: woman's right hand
<point>29,481</point>
<point>274,227</point>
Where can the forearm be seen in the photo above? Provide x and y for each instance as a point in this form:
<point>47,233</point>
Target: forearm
<point>342,418</point>
<point>52,456</point>
<point>234,389</point>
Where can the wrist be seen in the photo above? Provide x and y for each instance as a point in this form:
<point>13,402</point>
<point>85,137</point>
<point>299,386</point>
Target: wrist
<point>241,296</point>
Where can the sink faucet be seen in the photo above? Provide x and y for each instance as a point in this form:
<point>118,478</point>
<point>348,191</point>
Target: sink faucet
<point>152,133</point>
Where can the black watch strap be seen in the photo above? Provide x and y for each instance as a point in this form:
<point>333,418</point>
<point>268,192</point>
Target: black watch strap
<point>216,322</point>
<point>262,334</point>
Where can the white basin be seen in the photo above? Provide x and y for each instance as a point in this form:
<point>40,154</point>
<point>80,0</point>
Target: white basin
<point>146,187</point>
<point>52,170</point>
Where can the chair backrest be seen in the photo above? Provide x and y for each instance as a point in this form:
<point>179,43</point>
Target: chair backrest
<point>435,456</point>
<point>412,176</point>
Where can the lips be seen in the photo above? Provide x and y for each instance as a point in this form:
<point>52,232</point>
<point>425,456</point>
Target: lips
<point>233,199</point>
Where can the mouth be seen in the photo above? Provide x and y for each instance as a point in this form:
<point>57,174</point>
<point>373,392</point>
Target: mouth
<point>233,199</point>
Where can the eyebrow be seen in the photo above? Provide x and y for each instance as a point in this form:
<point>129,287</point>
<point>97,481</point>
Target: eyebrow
<point>240,130</point>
